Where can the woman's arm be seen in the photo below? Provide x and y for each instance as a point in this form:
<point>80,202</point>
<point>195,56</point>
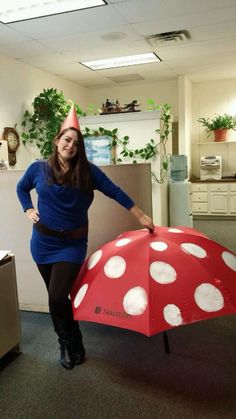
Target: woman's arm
<point>143,219</point>
<point>25,185</point>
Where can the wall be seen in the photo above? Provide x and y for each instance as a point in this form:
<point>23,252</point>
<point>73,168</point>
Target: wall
<point>208,99</point>
<point>107,220</point>
<point>185,118</point>
<point>19,84</point>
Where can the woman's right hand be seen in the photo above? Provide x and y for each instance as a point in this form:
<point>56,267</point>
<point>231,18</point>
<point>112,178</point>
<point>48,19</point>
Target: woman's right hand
<point>143,219</point>
<point>33,215</point>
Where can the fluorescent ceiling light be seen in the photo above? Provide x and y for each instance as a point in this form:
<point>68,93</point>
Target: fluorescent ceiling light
<point>17,10</point>
<point>148,57</point>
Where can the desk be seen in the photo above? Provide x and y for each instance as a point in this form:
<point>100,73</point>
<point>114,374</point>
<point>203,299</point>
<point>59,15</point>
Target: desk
<point>10,331</point>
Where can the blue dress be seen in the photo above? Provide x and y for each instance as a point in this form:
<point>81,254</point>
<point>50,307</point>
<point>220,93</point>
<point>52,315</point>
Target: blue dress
<point>62,208</point>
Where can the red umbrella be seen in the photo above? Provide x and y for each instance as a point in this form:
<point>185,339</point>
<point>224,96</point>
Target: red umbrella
<point>153,282</point>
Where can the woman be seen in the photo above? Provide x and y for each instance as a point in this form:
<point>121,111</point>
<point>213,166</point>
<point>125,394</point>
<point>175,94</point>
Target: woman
<point>65,185</point>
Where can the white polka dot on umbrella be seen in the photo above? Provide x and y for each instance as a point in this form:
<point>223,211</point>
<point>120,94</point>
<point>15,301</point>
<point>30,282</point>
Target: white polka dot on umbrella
<point>172,315</point>
<point>162,272</point>
<point>94,259</point>
<point>174,230</point>
<point>115,267</point>
<point>208,298</point>
<point>122,242</point>
<point>194,250</point>
<point>229,259</point>
<point>135,301</point>
<point>159,246</point>
<point>80,295</point>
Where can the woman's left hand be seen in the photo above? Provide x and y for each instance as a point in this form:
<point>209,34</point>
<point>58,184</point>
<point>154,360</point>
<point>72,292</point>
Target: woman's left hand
<point>33,215</point>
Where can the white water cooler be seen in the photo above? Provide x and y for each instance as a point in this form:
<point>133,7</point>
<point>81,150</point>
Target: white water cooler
<point>180,208</point>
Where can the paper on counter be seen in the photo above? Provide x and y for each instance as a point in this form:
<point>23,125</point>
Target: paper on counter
<point>4,253</point>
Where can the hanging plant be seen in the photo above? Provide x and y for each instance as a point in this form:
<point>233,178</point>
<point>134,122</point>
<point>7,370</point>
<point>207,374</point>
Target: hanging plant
<point>50,108</point>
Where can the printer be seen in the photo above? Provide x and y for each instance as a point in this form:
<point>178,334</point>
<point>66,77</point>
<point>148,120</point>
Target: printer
<point>210,167</point>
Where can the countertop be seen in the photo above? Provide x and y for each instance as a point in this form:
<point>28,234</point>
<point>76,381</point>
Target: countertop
<point>224,180</point>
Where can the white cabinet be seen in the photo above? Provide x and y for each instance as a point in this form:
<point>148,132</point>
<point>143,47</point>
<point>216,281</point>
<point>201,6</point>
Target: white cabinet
<point>217,203</point>
<point>214,199</point>
<point>199,187</point>
<point>199,207</point>
<point>232,199</point>
<point>199,198</point>
<point>218,198</point>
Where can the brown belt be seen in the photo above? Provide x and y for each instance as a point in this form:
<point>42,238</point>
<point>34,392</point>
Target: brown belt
<point>62,234</point>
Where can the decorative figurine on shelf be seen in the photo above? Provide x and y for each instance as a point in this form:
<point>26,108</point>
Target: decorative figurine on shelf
<point>118,108</point>
<point>110,107</point>
<point>13,141</point>
<point>131,107</point>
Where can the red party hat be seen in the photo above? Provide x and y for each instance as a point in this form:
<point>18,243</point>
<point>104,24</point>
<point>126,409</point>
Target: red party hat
<point>71,119</point>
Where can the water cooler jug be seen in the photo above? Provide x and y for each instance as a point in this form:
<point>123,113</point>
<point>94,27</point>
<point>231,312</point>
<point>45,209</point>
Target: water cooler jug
<point>178,168</point>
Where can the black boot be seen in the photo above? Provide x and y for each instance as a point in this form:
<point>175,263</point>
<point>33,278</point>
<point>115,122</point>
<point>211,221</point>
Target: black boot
<point>67,359</point>
<point>76,344</point>
<point>78,352</point>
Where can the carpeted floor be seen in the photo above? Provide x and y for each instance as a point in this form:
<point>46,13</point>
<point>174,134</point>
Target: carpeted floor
<point>126,375</point>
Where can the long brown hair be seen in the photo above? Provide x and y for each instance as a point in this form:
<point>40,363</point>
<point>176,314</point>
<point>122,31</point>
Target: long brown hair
<point>78,175</point>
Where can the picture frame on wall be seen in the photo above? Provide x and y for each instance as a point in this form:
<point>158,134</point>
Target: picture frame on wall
<point>99,149</point>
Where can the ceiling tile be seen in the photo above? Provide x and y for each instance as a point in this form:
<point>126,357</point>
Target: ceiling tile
<point>9,36</point>
<point>73,23</point>
<point>25,49</point>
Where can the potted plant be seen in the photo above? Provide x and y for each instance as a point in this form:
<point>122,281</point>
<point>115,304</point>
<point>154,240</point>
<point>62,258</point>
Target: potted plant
<point>220,125</point>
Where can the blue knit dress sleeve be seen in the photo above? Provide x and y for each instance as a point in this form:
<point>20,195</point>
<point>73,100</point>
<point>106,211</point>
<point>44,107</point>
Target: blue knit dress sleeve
<point>26,184</point>
<point>110,189</point>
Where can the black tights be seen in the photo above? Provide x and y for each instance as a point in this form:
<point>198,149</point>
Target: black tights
<point>59,278</point>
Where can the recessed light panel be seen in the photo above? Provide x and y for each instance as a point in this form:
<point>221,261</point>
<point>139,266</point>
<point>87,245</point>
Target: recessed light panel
<point>17,10</point>
<point>149,57</point>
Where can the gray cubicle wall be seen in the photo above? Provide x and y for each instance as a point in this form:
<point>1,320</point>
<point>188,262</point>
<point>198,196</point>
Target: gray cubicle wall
<point>107,221</point>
